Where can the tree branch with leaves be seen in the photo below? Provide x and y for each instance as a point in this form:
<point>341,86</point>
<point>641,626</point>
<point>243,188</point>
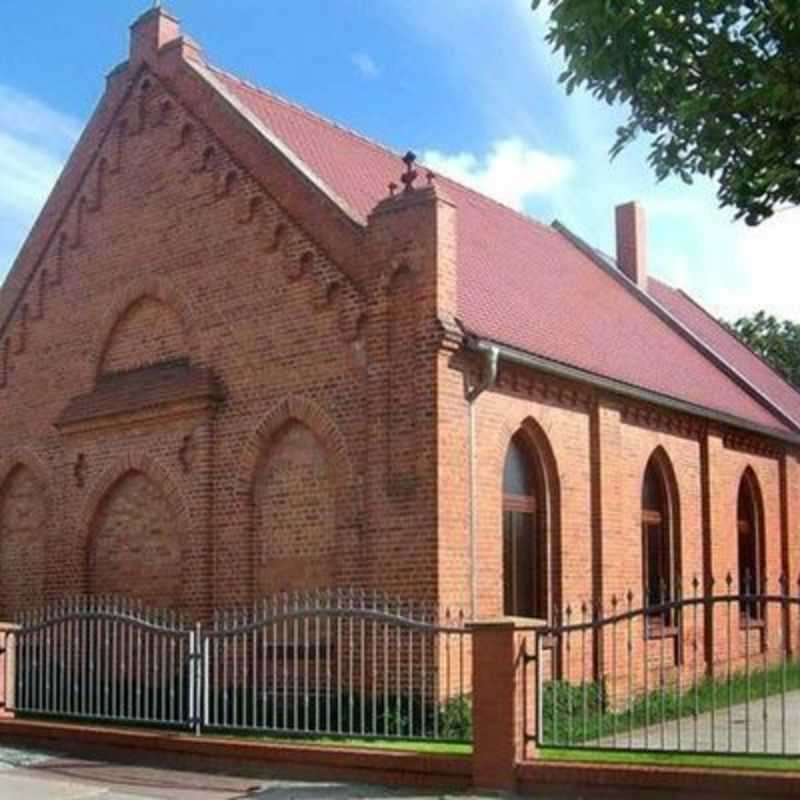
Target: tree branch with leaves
<point>715,83</point>
<point>778,341</point>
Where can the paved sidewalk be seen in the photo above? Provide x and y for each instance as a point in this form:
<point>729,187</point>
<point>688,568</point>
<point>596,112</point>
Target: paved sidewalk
<point>31,775</point>
<point>770,726</point>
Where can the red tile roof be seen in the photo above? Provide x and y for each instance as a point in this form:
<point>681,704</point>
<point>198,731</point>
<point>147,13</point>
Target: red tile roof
<point>520,283</point>
<point>710,331</point>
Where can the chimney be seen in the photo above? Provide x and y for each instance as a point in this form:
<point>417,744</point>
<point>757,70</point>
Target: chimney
<point>632,243</point>
<point>151,32</point>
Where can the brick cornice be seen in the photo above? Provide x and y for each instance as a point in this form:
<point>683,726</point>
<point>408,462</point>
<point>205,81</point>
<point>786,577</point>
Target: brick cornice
<point>654,418</point>
<point>753,445</point>
<point>544,389</point>
<point>157,391</point>
<point>338,233</point>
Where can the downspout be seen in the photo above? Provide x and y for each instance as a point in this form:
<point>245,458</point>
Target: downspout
<point>488,376</point>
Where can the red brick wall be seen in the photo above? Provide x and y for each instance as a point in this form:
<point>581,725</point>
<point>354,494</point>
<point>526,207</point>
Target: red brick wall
<point>623,553</point>
<point>730,466</point>
<point>339,452</point>
<point>600,448</point>
<point>600,456</point>
<point>173,249</point>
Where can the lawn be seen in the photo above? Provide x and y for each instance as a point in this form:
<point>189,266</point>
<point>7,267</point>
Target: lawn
<point>768,763</point>
<point>407,745</point>
<point>579,713</point>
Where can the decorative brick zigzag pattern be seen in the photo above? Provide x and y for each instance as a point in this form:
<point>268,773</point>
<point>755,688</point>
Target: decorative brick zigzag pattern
<point>334,290</point>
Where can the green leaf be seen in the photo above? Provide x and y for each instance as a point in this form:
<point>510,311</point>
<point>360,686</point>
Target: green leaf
<point>719,78</point>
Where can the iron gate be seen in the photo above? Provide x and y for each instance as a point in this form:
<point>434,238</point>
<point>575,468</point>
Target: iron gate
<point>338,662</point>
<point>703,673</point>
<point>108,659</point>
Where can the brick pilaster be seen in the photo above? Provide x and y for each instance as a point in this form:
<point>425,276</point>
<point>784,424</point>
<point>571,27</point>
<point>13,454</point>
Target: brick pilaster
<point>504,702</point>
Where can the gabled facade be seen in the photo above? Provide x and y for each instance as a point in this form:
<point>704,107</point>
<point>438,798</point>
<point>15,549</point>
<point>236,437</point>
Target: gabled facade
<point>246,351</point>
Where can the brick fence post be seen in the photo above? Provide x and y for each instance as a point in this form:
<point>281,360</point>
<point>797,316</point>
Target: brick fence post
<point>8,644</point>
<point>504,702</point>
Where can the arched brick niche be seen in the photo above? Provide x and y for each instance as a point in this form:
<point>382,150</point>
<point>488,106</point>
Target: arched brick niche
<point>147,362</point>
<point>147,322</point>
<point>148,332</point>
<point>23,532</point>
<point>295,511</point>
<point>135,543</point>
<point>301,485</point>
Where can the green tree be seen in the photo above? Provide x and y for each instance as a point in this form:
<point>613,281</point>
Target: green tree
<point>778,341</point>
<point>716,83</point>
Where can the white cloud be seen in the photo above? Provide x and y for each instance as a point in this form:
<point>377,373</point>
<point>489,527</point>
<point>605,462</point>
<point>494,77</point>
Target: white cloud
<point>365,64</point>
<point>511,172</point>
<point>27,173</point>
<point>32,119</point>
<point>766,269</point>
<point>512,90</point>
<point>35,140</point>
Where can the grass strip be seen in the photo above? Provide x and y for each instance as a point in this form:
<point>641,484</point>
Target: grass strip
<point>747,762</point>
<point>578,713</point>
<point>406,745</point>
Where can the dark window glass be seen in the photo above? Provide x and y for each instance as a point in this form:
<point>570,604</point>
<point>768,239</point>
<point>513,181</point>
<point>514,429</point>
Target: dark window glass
<point>524,534</point>
<point>653,490</point>
<point>749,542</point>
<point>657,543</point>
<point>517,475</point>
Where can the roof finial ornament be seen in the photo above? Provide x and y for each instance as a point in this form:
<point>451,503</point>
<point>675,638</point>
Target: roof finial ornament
<point>410,175</point>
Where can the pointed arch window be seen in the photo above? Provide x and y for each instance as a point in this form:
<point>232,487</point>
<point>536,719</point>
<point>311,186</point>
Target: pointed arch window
<point>525,546</point>
<point>659,539</point>
<point>750,546</point>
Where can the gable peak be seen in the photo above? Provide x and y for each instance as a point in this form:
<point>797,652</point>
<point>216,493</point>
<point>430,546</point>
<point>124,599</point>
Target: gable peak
<point>153,30</point>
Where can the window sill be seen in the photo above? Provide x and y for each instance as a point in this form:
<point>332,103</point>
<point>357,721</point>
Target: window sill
<point>549,641</point>
<point>656,632</point>
<point>750,623</point>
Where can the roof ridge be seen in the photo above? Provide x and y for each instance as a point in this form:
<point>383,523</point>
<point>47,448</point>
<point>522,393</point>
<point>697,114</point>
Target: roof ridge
<point>733,336</point>
<point>358,135</point>
<point>304,109</point>
<point>707,350</point>
<point>703,310</point>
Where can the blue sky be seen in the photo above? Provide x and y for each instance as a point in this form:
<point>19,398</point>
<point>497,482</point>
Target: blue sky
<point>469,84</point>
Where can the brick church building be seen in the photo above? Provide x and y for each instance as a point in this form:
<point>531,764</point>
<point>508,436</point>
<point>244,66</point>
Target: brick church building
<point>246,350</point>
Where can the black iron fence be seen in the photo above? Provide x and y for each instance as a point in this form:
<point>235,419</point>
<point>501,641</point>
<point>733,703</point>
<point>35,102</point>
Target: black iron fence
<point>107,659</point>
<point>332,663</point>
<point>709,671</point>
<point>713,670</point>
